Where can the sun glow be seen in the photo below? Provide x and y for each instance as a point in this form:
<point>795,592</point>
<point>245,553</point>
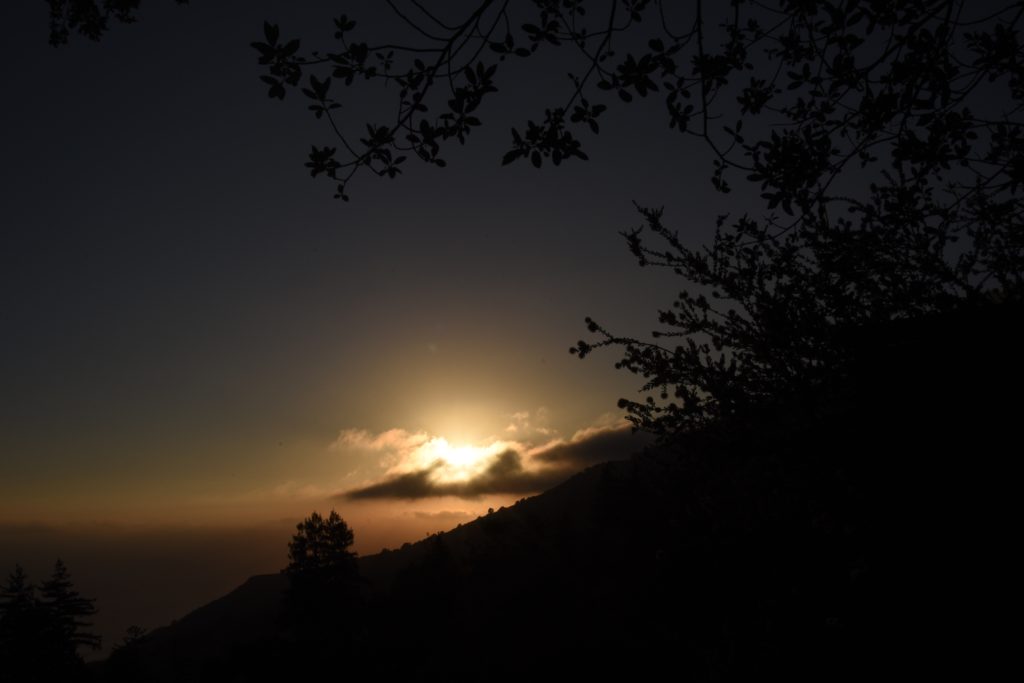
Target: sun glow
<point>451,462</point>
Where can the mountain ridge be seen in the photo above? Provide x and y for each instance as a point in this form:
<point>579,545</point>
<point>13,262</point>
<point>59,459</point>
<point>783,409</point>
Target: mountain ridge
<point>840,535</point>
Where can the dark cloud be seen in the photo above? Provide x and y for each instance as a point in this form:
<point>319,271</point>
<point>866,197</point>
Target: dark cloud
<point>504,475</point>
<point>410,485</point>
<point>593,447</point>
<point>507,474</point>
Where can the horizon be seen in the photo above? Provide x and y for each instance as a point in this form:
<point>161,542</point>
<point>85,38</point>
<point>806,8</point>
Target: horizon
<point>487,265</point>
<point>193,359</point>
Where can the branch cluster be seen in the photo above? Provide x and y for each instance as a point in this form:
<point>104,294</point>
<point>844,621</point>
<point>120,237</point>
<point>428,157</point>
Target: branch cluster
<point>885,139</point>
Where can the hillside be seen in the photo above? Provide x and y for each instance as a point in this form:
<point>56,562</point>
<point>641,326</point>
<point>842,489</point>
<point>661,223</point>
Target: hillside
<point>838,536</point>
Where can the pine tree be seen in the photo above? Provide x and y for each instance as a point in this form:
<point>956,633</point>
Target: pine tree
<point>17,595</point>
<point>320,553</point>
<point>17,605</point>
<point>324,596</point>
<point>23,648</point>
<point>68,612</point>
<point>40,633</point>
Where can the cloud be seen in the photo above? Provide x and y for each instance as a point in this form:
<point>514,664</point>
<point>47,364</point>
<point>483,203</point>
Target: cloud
<point>408,485</point>
<point>390,440</point>
<point>515,469</point>
<point>504,474</point>
<point>591,446</point>
<point>527,424</point>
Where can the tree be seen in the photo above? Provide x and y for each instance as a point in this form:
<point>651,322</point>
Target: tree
<point>19,617</point>
<point>68,611</point>
<point>878,145</point>
<point>319,553</point>
<point>324,600</point>
<point>40,634</point>
<point>884,139</point>
<point>90,18</point>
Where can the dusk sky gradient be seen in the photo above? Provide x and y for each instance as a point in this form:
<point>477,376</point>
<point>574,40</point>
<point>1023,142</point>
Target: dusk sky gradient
<point>190,322</point>
<point>200,346</point>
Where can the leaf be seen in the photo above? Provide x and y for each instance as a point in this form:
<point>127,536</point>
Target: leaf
<point>270,31</point>
<point>320,87</point>
<point>266,51</point>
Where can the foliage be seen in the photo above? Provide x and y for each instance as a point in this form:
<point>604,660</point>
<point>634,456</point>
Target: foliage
<point>878,144</point>
<point>90,18</point>
<point>884,139</point>
<point>19,615</point>
<point>319,552</point>
<point>325,606</point>
<point>134,634</point>
<point>40,633</point>
<point>69,610</point>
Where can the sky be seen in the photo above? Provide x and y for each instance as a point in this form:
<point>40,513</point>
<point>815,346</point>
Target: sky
<point>201,346</point>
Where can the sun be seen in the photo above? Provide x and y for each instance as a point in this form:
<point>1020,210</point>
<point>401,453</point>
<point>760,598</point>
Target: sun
<point>461,456</point>
<point>451,462</point>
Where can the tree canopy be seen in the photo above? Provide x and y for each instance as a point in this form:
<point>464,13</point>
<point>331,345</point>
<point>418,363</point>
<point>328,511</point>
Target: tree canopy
<point>90,18</point>
<point>320,552</point>
<point>325,605</point>
<point>42,631</point>
<point>884,140</point>
<point>874,147</point>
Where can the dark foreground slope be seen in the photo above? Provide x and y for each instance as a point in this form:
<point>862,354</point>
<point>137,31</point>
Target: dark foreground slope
<point>861,533</point>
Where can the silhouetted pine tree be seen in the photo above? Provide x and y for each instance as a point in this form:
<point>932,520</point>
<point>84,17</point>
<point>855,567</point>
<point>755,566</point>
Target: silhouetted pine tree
<point>22,623</point>
<point>17,601</point>
<point>68,612</point>
<point>40,634</point>
<point>325,591</point>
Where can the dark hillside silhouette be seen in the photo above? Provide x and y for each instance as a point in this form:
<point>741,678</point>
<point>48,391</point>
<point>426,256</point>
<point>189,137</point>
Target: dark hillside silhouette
<point>247,619</point>
<point>869,537</point>
<point>834,383</point>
